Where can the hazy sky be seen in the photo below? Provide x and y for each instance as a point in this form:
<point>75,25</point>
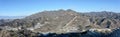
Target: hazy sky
<point>27,7</point>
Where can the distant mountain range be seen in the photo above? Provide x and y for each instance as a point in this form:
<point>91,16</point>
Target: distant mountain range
<point>11,17</point>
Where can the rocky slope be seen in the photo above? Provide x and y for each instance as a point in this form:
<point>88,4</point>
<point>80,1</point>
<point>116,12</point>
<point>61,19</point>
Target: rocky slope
<point>85,33</point>
<point>88,33</point>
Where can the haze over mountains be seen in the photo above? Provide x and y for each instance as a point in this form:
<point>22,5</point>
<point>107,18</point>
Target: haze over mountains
<point>11,17</point>
<point>64,21</point>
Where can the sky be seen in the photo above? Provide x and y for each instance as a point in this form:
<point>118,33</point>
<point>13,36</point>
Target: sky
<point>28,7</point>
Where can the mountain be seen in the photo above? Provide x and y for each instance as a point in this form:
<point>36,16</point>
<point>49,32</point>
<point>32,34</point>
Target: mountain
<point>4,19</point>
<point>61,21</point>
